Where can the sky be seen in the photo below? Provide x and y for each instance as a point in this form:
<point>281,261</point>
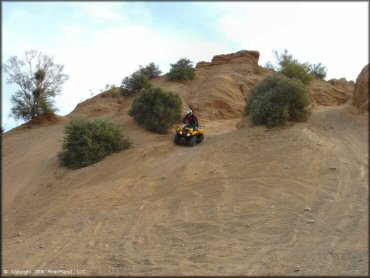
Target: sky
<point>100,43</point>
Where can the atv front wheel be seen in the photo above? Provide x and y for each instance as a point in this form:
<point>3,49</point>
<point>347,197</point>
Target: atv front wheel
<point>200,138</point>
<point>176,140</point>
<point>193,141</point>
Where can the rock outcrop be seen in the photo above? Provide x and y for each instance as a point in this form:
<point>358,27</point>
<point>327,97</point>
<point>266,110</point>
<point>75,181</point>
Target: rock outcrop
<point>331,92</point>
<point>360,97</point>
<point>221,86</point>
<point>243,56</point>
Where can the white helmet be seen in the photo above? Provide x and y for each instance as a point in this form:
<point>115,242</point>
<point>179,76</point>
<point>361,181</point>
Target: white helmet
<point>189,112</point>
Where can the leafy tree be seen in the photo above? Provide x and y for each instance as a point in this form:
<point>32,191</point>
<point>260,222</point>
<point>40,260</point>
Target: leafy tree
<point>87,142</point>
<point>156,110</point>
<point>182,70</point>
<point>277,99</point>
<point>39,80</point>
<point>134,83</point>
<point>151,70</point>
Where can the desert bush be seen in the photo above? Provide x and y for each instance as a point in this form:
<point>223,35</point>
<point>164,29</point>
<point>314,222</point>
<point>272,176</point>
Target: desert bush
<point>156,110</point>
<point>182,70</point>
<point>134,83</point>
<point>318,70</point>
<point>87,142</point>
<point>277,99</point>
<point>151,70</point>
<point>269,65</point>
<point>108,87</point>
<point>292,68</point>
<point>139,79</point>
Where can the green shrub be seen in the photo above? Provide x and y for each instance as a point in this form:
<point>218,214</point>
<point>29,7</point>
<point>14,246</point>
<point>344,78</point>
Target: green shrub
<point>87,142</point>
<point>156,110</point>
<point>299,71</point>
<point>112,91</point>
<point>277,99</point>
<point>290,67</point>
<point>182,70</point>
<point>139,79</point>
<point>318,70</point>
<point>134,83</point>
<point>269,65</point>
<point>151,70</point>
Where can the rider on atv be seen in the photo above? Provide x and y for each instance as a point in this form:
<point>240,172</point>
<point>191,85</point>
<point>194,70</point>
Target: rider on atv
<point>191,120</point>
<point>190,133</point>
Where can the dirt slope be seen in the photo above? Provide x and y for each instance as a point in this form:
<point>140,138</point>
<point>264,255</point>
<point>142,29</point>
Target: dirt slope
<point>247,201</point>
<point>240,203</point>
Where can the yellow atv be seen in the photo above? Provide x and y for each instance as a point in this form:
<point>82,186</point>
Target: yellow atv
<point>187,135</point>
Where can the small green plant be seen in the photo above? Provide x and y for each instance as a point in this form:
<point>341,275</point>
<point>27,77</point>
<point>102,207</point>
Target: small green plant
<point>156,110</point>
<point>318,70</point>
<point>182,70</point>
<point>108,87</point>
<point>269,65</point>
<point>151,70</point>
<point>87,142</point>
<point>111,91</point>
<point>277,99</point>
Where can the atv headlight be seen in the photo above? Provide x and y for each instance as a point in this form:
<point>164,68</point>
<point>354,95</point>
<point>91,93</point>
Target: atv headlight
<point>180,132</point>
<point>188,134</point>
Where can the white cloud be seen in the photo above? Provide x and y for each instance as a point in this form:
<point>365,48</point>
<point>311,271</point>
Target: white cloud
<point>102,12</point>
<point>101,43</point>
<point>249,21</point>
<point>335,34</point>
<point>107,55</point>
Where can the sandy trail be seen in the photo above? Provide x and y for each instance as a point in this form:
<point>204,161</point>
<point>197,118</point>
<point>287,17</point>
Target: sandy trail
<point>247,201</point>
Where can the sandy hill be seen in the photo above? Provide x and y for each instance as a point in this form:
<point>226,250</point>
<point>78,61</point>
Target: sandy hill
<point>247,201</point>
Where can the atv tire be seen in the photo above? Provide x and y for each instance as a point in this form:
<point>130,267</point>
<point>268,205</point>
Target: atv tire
<point>193,141</point>
<point>200,138</point>
<point>176,140</point>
